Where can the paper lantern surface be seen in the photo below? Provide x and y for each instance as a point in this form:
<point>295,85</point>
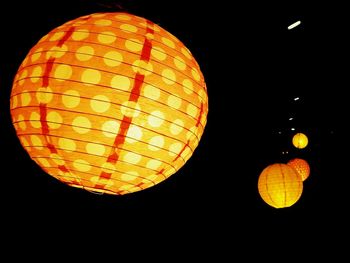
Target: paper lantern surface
<point>300,140</point>
<point>279,185</point>
<point>301,166</point>
<point>109,102</point>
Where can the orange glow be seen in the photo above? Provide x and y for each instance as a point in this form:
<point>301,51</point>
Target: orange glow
<point>300,140</point>
<point>301,166</point>
<point>109,102</point>
<point>280,185</point>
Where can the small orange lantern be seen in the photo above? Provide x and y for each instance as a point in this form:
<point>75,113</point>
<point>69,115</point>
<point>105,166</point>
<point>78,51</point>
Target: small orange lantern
<point>280,185</point>
<point>109,102</point>
<point>300,140</point>
<point>301,166</point>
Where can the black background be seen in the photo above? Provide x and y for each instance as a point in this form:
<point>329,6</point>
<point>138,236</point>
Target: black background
<point>254,68</point>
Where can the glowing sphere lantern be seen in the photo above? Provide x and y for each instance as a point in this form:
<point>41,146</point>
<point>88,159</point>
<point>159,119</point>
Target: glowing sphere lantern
<point>301,166</point>
<point>109,102</point>
<point>300,140</point>
<point>279,185</point>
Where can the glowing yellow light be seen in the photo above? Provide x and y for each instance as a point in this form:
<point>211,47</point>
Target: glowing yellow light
<point>280,185</point>
<point>300,140</point>
<point>110,103</point>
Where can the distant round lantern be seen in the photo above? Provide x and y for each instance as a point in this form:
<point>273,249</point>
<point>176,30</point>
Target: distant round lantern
<point>300,140</point>
<point>301,166</point>
<point>109,102</point>
<point>280,185</point>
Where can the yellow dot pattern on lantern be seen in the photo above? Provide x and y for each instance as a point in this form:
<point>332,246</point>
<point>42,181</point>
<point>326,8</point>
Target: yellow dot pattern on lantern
<point>109,102</point>
<point>280,185</point>
<point>300,140</point>
<point>301,166</point>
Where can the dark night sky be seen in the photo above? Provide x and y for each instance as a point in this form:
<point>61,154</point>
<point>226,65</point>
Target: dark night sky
<point>254,68</point>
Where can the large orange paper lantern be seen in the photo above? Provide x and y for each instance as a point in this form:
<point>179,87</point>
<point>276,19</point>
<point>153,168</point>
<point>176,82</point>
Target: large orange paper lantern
<point>280,185</point>
<point>300,140</point>
<point>301,166</point>
<point>109,102</point>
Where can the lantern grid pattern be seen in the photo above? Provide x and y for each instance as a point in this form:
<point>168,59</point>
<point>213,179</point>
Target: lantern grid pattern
<point>109,102</point>
<point>301,166</point>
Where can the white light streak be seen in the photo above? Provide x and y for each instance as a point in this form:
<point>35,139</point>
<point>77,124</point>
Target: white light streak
<point>294,25</point>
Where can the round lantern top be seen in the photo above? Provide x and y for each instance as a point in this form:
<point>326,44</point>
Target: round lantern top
<point>109,102</point>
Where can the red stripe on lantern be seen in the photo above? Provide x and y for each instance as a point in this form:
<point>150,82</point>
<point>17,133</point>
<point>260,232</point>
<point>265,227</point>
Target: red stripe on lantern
<point>200,115</point>
<point>66,36</point>
<point>134,96</point>
<point>48,69</point>
<point>182,150</point>
<point>43,106</point>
